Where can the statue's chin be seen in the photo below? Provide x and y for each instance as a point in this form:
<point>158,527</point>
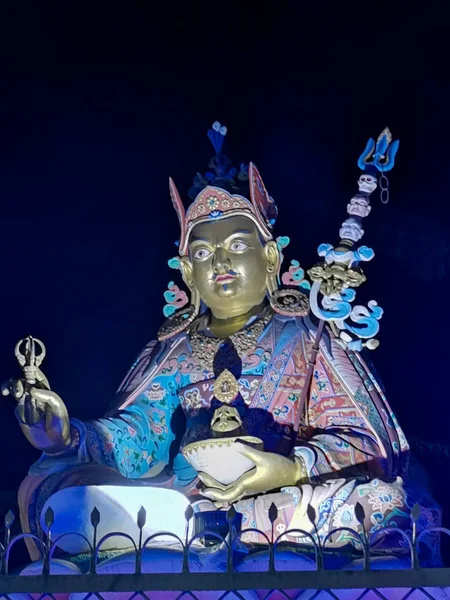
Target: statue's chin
<point>224,302</point>
<point>226,291</point>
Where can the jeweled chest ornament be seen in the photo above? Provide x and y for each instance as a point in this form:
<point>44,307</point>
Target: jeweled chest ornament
<point>226,387</point>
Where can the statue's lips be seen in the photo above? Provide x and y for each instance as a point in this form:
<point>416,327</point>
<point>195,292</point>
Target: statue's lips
<point>224,278</point>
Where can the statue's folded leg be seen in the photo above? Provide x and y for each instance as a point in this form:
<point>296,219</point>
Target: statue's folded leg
<point>384,504</point>
<point>74,493</point>
<point>36,490</point>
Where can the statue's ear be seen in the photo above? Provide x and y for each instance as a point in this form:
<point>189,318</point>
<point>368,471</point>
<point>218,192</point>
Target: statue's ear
<point>273,257</point>
<point>187,272</point>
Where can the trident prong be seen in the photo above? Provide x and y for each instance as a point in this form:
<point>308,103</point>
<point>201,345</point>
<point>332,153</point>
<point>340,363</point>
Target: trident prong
<point>28,359</point>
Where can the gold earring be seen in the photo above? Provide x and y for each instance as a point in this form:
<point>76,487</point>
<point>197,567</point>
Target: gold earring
<point>288,301</point>
<point>271,282</point>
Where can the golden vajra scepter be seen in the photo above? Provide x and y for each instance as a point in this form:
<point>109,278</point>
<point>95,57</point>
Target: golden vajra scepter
<point>29,360</point>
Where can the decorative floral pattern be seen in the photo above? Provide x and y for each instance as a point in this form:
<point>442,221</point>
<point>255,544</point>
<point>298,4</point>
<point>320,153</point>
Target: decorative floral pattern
<point>215,200</point>
<point>345,516</point>
<point>385,498</point>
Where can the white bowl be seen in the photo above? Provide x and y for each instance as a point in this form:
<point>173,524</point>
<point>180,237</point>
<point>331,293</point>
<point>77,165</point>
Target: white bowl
<point>219,457</point>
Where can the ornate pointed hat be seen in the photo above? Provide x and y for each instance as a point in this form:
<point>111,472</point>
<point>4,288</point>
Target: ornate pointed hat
<point>214,198</point>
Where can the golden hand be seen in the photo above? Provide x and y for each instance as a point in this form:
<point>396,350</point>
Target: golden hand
<point>42,415</point>
<point>271,472</point>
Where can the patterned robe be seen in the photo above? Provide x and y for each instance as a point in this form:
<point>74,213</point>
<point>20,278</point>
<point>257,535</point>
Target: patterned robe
<point>345,432</point>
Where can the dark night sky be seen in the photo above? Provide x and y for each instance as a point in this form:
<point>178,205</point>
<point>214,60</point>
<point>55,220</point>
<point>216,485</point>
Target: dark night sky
<point>100,102</point>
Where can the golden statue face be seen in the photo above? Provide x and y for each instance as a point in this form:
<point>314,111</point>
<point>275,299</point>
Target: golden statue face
<point>229,266</point>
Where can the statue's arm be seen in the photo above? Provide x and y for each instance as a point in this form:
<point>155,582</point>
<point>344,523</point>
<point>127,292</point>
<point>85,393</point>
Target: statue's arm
<point>135,436</point>
<point>345,429</point>
<point>135,442</point>
<point>340,451</point>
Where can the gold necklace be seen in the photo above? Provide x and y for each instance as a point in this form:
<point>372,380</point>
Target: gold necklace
<point>205,347</point>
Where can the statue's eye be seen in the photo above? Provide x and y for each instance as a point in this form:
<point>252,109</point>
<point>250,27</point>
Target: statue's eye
<point>202,254</point>
<point>238,246</point>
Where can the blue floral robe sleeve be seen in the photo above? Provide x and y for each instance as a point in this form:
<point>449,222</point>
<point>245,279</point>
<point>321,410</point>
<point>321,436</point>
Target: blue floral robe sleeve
<point>136,436</point>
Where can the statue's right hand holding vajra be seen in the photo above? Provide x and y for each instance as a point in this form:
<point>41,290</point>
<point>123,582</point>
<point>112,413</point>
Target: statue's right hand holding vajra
<point>41,413</point>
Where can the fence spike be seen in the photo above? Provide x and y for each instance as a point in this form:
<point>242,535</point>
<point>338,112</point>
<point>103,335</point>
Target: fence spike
<point>416,512</point>
<point>9,519</point>
<point>189,513</point>
<point>311,512</point>
<point>415,516</point>
<point>141,517</point>
<point>49,517</point>
<point>95,517</point>
<point>231,514</point>
<point>359,513</point>
<point>273,513</point>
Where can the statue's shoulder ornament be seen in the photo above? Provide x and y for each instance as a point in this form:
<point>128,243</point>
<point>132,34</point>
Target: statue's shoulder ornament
<point>177,323</point>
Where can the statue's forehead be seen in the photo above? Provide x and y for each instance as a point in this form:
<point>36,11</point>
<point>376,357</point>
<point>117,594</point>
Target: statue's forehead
<point>222,228</point>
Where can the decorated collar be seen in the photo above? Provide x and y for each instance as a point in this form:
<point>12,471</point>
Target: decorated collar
<point>205,344</point>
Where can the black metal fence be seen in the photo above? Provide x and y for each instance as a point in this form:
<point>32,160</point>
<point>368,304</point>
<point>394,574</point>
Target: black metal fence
<point>275,570</point>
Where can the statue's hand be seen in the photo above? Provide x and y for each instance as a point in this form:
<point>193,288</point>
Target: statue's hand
<point>271,471</point>
<point>42,415</point>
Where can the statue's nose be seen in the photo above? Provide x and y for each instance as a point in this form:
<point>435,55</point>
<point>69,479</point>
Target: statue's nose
<point>221,262</point>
